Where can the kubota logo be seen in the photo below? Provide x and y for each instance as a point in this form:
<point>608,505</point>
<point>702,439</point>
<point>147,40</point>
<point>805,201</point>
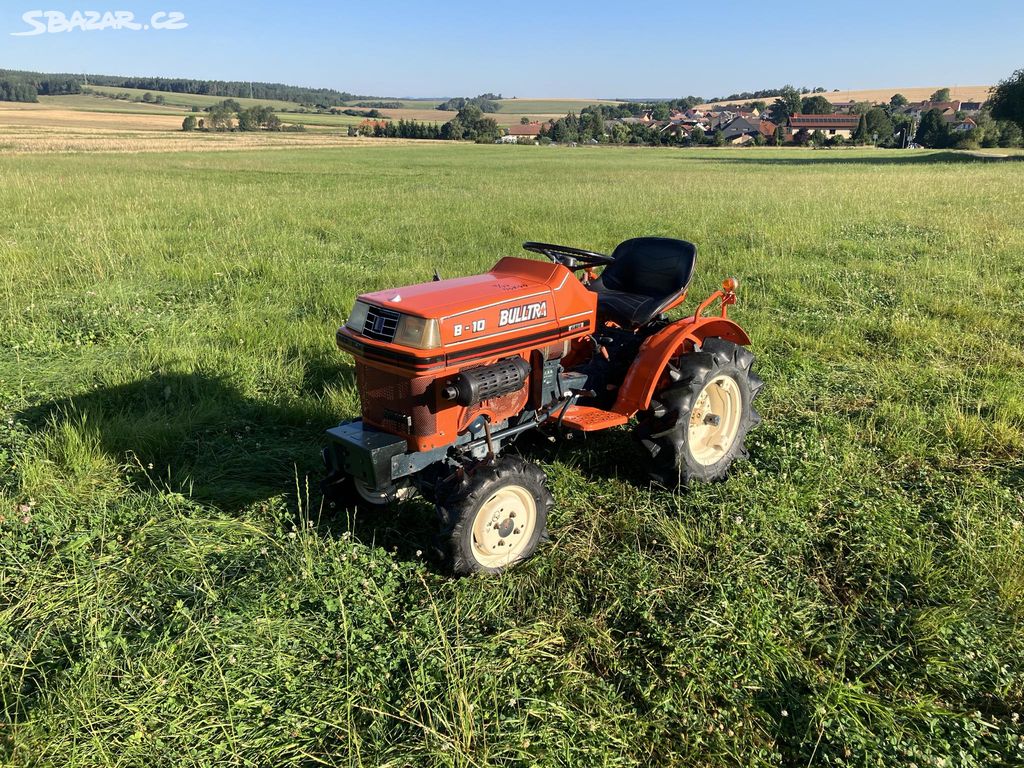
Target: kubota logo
<point>523,313</point>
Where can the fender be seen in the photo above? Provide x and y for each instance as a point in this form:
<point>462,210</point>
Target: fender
<point>645,373</point>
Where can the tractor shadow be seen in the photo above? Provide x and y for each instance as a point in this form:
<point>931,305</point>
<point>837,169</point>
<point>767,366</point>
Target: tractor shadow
<point>597,456</point>
<point>200,436</point>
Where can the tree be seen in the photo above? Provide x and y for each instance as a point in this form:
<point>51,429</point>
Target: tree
<point>524,120</point>
<point>818,138</point>
<point>718,139</point>
<point>147,97</point>
<point>220,119</point>
<point>1007,99</point>
<point>660,111</point>
<point>780,136</point>
<point>697,135</point>
<point>933,131</point>
<point>759,105</point>
<point>189,123</point>
<point>879,127</point>
<point>816,105</point>
<point>788,103</point>
<point>860,136</point>
<point>477,127</point>
<point>941,95</point>
<point>898,100</point>
<point>1010,134</point>
<point>160,99</point>
<point>453,130</point>
<point>247,120</point>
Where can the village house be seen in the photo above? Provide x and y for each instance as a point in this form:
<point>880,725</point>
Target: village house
<point>830,125</point>
<point>522,131</point>
<point>741,130</point>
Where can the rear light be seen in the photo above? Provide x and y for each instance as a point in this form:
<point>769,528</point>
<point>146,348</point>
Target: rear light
<point>357,319</point>
<point>418,332</point>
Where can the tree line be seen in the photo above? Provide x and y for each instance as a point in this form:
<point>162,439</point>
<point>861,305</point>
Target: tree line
<point>14,91</point>
<point>28,86</point>
<point>470,124</point>
<point>56,84</point>
<point>485,102</point>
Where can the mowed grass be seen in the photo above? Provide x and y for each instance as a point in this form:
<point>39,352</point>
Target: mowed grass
<point>173,593</point>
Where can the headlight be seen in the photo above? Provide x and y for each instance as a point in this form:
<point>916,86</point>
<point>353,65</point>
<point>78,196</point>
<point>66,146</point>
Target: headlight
<point>418,332</point>
<point>357,319</point>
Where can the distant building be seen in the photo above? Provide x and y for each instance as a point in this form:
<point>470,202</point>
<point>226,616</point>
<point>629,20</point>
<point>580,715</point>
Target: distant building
<point>525,130</point>
<point>741,130</point>
<point>963,126</point>
<point>830,125</point>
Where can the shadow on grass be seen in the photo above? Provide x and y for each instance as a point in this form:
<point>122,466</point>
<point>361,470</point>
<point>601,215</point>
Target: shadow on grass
<point>198,435</point>
<point>890,157</point>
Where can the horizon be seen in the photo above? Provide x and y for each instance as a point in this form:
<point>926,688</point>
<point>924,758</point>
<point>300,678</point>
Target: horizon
<point>487,50</point>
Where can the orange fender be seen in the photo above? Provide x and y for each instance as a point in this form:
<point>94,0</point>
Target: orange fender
<point>646,372</point>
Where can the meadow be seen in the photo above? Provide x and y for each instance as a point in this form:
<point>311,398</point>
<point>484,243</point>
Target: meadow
<point>173,592</point>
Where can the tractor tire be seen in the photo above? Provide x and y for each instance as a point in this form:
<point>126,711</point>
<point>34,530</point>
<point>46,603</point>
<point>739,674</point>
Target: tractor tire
<point>697,427</point>
<point>495,517</point>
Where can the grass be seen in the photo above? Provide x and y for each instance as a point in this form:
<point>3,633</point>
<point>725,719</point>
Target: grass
<point>90,102</point>
<point>172,593</point>
<point>192,99</point>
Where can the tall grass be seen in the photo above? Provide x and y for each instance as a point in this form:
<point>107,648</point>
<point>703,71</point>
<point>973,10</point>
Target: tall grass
<point>172,592</point>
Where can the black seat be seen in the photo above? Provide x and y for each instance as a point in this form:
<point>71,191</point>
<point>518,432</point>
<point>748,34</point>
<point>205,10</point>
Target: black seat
<point>648,274</point>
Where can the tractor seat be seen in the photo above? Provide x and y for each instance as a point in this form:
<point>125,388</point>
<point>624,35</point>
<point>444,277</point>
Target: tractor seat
<point>648,275</point>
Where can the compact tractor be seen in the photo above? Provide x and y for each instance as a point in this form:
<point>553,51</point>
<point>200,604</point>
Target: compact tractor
<point>450,372</point>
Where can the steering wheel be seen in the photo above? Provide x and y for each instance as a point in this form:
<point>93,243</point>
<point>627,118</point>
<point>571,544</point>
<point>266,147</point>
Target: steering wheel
<point>573,258</point>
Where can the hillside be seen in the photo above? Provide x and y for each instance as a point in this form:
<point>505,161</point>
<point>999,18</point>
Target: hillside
<point>958,92</point>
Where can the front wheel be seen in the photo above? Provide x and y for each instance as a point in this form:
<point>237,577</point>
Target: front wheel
<point>496,517</point>
<point>698,426</point>
<point>342,491</point>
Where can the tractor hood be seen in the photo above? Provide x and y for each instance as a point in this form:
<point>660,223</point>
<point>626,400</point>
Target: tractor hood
<point>441,299</point>
<point>517,300</point>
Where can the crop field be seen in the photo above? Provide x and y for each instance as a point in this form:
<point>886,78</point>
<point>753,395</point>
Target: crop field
<point>958,92</point>
<point>549,106</point>
<point>173,592</point>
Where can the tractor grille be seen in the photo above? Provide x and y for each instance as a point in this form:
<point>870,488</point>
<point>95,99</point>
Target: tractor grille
<point>380,324</point>
<point>395,402</point>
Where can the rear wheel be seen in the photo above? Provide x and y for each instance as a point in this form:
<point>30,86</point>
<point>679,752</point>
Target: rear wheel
<point>496,517</point>
<point>697,428</point>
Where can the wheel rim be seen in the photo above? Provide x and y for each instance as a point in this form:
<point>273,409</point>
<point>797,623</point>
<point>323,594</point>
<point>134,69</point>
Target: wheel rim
<point>504,526</point>
<point>715,420</point>
<point>381,498</point>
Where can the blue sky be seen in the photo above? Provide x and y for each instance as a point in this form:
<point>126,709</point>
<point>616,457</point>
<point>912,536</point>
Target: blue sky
<point>588,49</point>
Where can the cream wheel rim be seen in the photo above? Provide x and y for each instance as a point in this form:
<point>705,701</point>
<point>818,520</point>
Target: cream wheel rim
<point>715,420</point>
<point>504,526</point>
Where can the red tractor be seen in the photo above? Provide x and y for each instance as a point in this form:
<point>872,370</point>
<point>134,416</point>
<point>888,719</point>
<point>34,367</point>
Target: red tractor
<point>450,372</point>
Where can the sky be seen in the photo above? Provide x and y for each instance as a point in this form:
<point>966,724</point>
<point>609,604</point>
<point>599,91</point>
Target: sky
<point>593,49</point>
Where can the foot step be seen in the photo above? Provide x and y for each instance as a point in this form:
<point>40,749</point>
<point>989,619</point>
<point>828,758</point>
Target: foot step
<point>588,419</point>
